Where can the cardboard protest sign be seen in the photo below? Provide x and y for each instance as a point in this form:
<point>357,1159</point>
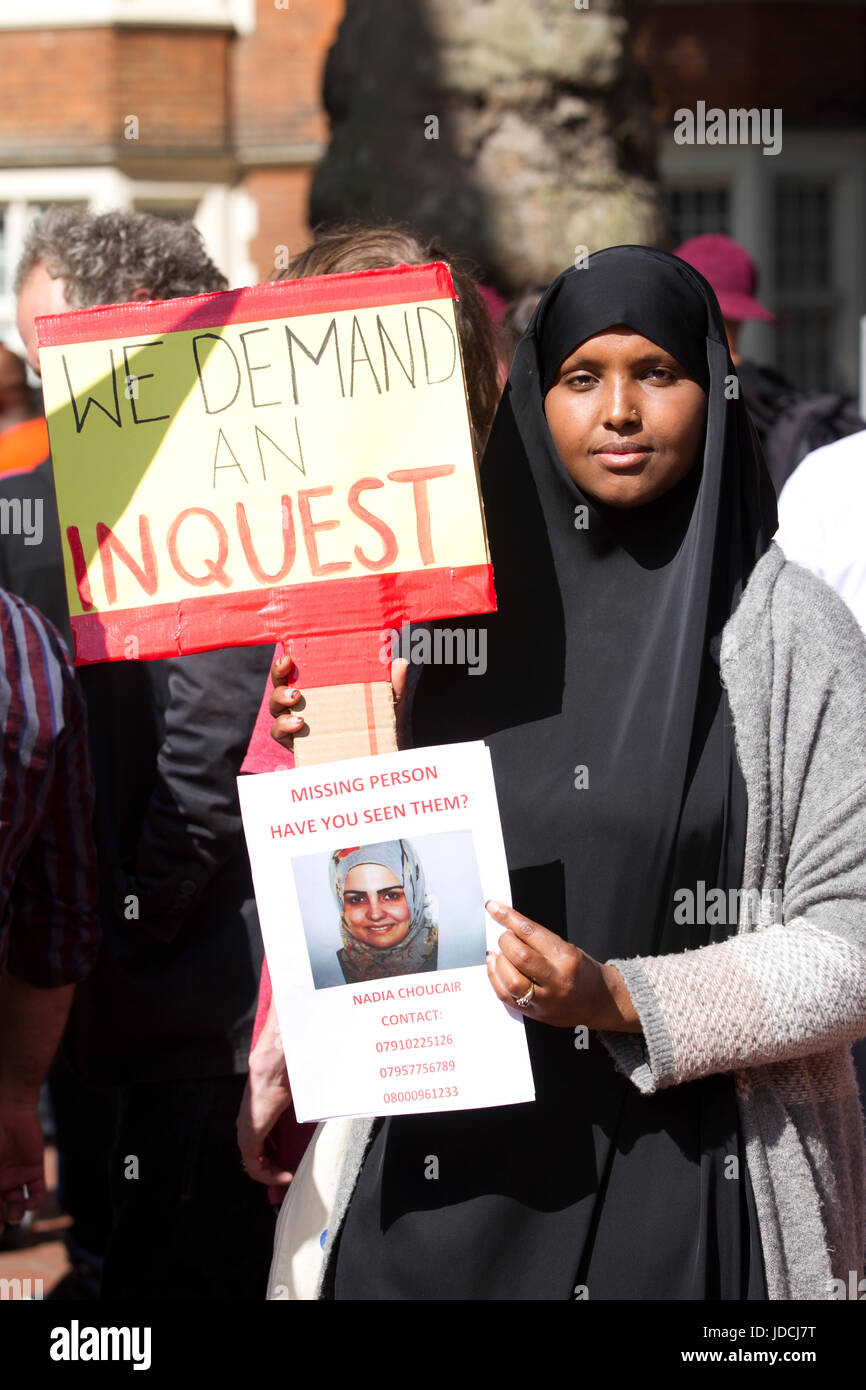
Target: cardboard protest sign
<point>289,459</point>
<point>371,877</point>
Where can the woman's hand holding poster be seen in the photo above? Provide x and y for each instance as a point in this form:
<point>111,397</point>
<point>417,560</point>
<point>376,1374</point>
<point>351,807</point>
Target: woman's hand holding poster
<point>371,876</point>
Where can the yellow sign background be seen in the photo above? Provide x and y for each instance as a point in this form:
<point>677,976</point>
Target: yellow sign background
<point>357,415</point>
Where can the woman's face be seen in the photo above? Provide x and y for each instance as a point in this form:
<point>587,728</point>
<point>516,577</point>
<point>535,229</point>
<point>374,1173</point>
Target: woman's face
<point>375,910</point>
<point>627,421</point>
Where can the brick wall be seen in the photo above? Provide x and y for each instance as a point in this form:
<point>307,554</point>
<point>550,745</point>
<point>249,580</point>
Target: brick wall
<point>57,88</point>
<point>66,94</point>
<point>72,88</point>
<point>282,197</point>
<point>176,82</point>
<point>277,111</point>
<point>277,73</point>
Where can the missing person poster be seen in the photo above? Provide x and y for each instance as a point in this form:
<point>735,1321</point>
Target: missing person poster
<point>371,876</point>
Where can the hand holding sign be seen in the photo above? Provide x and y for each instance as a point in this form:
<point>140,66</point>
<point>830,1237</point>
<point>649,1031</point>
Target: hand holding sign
<point>287,701</point>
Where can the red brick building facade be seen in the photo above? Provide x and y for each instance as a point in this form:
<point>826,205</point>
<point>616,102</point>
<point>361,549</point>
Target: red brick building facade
<point>201,108</point>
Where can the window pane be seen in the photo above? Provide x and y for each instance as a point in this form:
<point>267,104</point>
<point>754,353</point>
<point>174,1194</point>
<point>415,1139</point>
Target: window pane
<point>695,211</point>
<point>802,244</point>
<point>802,224</point>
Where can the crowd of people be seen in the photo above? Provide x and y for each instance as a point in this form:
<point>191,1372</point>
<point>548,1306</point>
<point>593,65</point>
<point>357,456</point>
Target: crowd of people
<point>708,1144</point>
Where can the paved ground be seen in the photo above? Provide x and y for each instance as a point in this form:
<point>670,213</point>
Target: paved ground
<point>41,1253</point>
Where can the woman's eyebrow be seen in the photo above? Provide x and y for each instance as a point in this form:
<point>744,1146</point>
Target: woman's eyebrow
<point>362,892</point>
<point>586,360</point>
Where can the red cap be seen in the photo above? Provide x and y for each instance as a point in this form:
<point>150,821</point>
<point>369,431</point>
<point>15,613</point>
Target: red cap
<point>731,272</point>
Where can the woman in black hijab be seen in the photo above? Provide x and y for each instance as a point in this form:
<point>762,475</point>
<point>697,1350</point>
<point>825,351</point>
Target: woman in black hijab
<point>626,506</point>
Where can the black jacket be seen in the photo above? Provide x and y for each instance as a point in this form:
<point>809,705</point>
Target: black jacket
<point>174,993</point>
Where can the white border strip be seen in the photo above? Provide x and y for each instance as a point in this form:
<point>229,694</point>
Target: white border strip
<point>191,14</point>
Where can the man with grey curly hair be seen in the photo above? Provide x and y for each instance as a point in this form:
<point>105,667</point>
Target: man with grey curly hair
<point>165,1020</point>
<point>73,259</point>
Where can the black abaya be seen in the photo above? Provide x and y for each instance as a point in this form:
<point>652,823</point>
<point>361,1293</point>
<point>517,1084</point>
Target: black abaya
<point>618,784</point>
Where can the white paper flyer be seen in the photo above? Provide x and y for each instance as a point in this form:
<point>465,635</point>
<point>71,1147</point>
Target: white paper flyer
<point>371,876</point>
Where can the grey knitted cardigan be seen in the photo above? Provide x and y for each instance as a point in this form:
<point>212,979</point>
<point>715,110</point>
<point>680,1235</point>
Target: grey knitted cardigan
<point>779,1003</point>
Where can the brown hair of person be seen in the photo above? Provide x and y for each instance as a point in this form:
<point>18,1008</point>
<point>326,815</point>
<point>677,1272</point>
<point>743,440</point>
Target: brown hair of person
<point>342,249</point>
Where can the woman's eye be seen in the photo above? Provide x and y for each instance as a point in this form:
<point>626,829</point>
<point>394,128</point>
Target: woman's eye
<point>580,379</point>
<point>663,373</point>
<point>394,897</point>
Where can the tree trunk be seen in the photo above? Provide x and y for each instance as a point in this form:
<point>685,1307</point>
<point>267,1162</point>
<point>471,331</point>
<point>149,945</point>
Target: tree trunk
<point>518,131</point>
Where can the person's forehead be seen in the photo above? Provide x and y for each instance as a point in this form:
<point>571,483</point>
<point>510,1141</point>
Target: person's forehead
<point>372,871</point>
<point>44,293</point>
<point>620,340</point>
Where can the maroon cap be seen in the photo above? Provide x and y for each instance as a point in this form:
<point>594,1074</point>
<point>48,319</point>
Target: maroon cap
<point>731,272</point>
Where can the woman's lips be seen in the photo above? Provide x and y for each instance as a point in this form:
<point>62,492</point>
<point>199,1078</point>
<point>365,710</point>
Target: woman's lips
<point>620,461</point>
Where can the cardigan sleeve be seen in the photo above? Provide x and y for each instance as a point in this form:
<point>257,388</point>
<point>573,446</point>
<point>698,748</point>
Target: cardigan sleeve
<point>797,985</point>
<point>783,992</point>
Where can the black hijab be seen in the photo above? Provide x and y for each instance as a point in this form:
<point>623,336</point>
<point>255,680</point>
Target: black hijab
<point>603,654</point>
<point>618,783</point>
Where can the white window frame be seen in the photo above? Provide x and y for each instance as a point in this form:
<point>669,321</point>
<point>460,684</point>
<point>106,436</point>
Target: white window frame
<point>834,156</point>
<point>226,217</point>
<point>78,14</point>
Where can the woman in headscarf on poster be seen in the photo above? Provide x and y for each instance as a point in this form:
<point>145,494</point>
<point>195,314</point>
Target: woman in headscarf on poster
<point>676,716</point>
<point>387,921</point>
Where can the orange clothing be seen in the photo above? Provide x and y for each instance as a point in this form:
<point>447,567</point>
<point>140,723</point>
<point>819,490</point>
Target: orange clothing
<point>24,446</point>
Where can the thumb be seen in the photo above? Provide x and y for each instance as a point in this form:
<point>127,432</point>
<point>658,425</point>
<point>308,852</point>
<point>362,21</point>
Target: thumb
<point>399,668</point>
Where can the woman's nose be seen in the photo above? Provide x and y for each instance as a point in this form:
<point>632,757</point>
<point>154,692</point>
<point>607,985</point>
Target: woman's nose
<point>620,407</point>
<point>376,910</point>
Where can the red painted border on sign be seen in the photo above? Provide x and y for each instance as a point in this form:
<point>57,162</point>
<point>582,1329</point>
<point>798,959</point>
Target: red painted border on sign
<point>333,620</point>
<point>280,299</point>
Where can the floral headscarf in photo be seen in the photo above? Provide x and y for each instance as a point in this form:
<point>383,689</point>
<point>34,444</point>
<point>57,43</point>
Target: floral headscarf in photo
<point>418,950</point>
